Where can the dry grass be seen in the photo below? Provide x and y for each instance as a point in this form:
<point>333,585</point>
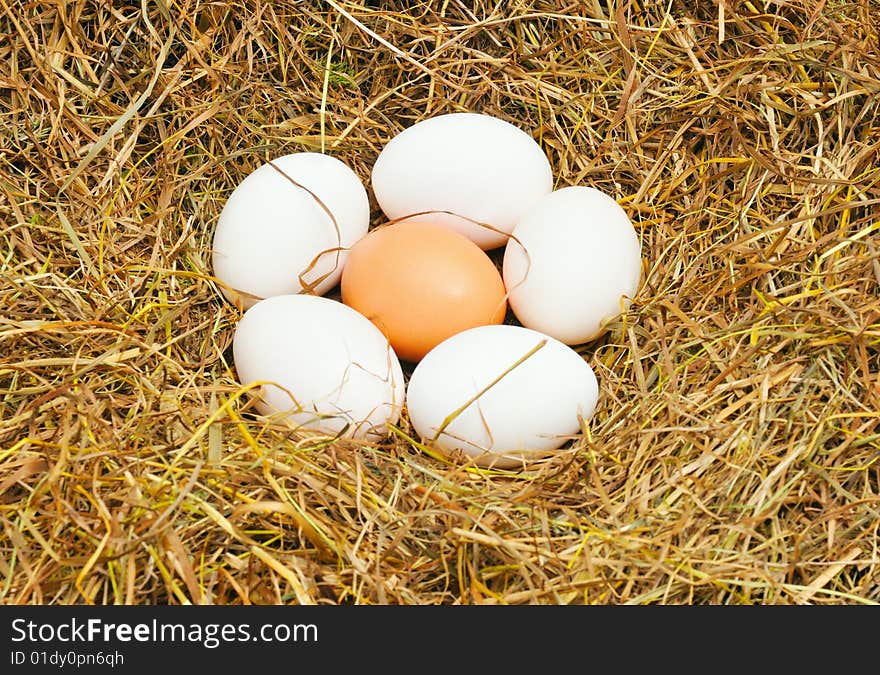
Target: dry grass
<point>734,457</point>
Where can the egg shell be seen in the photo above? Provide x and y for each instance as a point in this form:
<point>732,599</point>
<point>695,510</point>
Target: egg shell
<point>421,283</point>
<point>572,264</point>
<point>471,165</point>
<point>274,237</point>
<point>324,366</point>
<point>512,394</point>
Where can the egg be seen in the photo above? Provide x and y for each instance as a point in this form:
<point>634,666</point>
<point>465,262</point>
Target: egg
<point>319,365</point>
<point>459,168</point>
<point>287,226</point>
<point>573,263</point>
<point>421,283</point>
<point>500,394</point>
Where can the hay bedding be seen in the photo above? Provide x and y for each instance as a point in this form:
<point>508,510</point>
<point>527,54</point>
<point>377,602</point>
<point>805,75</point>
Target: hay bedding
<point>735,453</point>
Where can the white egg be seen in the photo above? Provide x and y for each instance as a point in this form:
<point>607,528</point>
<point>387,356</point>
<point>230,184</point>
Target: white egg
<point>275,234</point>
<point>322,366</point>
<point>501,394</point>
<point>572,264</point>
<point>462,167</point>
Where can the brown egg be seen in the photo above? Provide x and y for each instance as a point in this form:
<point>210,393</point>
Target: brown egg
<point>422,283</point>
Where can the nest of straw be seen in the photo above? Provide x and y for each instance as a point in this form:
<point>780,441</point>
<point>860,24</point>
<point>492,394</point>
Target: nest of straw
<point>734,457</point>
